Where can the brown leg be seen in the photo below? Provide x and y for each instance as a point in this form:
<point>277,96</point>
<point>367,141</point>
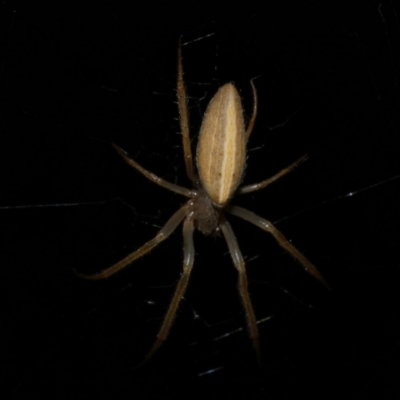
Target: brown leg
<point>188,260</point>
<point>164,232</point>
<point>152,177</point>
<point>254,114</point>
<point>269,227</point>
<point>184,119</point>
<point>257,186</point>
<point>243,290</point>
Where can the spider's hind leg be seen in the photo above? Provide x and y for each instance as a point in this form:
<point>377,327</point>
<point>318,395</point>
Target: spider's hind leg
<point>152,177</point>
<point>261,185</point>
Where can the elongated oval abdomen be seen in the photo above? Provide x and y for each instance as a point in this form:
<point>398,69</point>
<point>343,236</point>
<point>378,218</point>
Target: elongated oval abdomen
<point>221,152</point>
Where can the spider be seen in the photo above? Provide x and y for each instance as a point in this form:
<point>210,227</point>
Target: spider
<point>220,157</point>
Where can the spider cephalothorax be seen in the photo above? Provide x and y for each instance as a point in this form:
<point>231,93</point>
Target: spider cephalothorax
<point>205,213</point>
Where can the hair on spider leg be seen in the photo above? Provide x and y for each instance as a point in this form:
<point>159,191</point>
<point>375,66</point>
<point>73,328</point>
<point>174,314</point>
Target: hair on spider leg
<point>215,173</point>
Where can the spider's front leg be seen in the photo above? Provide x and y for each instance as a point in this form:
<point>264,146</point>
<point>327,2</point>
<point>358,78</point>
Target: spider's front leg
<point>239,263</point>
<point>164,232</point>
<point>280,238</point>
<point>188,260</point>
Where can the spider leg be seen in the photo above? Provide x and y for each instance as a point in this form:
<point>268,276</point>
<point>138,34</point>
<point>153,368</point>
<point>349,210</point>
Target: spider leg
<point>164,232</point>
<point>254,114</point>
<point>243,284</point>
<point>282,241</point>
<point>154,178</point>
<point>184,119</point>
<point>261,185</point>
<point>188,260</point>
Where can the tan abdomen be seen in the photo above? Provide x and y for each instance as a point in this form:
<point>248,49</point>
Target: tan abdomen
<point>221,151</point>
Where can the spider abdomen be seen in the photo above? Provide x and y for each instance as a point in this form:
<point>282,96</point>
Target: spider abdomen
<point>221,151</point>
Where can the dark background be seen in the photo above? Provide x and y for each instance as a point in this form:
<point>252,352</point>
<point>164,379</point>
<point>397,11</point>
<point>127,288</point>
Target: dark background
<point>75,78</point>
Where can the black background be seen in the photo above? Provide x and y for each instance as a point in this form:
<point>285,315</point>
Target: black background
<point>75,78</point>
